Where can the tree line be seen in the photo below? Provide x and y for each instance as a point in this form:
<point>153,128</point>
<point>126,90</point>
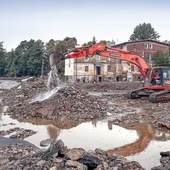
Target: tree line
<point>31,58</point>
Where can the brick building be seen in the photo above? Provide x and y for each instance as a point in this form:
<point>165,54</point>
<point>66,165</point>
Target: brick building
<point>144,48</point>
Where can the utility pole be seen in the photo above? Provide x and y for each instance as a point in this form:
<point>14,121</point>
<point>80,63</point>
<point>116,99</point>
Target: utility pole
<point>42,68</point>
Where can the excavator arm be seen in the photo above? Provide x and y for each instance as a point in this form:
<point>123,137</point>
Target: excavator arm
<point>155,93</point>
<point>104,51</point>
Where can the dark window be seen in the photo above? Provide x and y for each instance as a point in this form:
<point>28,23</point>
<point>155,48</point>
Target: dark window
<point>86,68</point>
<point>108,68</point>
<point>150,46</point>
<point>86,58</point>
<point>146,46</point>
<point>132,67</point>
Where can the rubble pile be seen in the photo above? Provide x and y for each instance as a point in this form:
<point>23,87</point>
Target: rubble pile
<point>69,103</point>
<point>110,86</point>
<point>73,102</point>
<point>24,91</point>
<point>60,157</point>
<point>19,133</point>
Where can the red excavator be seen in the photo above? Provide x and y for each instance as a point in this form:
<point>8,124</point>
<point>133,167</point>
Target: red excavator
<point>156,79</point>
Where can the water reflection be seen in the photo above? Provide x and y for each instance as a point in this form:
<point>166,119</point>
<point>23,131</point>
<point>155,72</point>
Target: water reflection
<point>96,134</point>
<point>146,134</point>
<point>8,84</point>
<point>139,141</point>
<point>59,123</point>
<point>53,132</point>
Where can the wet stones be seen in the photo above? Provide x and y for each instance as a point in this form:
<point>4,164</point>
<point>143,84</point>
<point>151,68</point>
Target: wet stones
<point>68,103</point>
<point>90,161</point>
<point>59,157</point>
<point>164,161</point>
<point>20,133</point>
<point>46,142</point>
<point>75,154</point>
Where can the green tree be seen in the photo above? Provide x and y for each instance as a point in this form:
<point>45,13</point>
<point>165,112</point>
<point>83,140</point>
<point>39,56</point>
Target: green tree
<point>60,46</point>
<point>30,55</point>
<point>144,31</point>
<point>2,59</point>
<point>89,43</point>
<point>161,59</point>
<point>103,42</point>
<point>50,47</point>
<point>166,41</point>
<point>94,41</point>
<point>11,67</point>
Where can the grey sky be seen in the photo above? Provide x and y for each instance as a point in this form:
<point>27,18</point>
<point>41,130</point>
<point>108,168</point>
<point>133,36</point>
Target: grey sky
<point>53,19</point>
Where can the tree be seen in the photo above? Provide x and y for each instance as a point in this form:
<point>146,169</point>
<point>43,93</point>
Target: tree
<point>30,55</point>
<point>2,59</point>
<point>161,59</point>
<point>50,47</point>
<point>144,31</point>
<point>94,41</point>
<point>60,46</point>
<point>166,41</point>
<point>11,67</point>
<point>89,43</point>
<point>103,42</point>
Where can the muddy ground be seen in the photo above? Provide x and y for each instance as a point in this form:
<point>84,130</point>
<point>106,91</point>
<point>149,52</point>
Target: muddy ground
<point>73,102</point>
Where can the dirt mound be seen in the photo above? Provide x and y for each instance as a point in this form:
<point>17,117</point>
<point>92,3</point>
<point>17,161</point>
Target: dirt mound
<point>110,86</point>
<point>68,103</point>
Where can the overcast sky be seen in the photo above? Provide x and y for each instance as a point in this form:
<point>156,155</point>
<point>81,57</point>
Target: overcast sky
<point>56,19</point>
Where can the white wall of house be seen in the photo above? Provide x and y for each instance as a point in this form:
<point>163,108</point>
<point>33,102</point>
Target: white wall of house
<point>80,69</point>
<point>69,67</point>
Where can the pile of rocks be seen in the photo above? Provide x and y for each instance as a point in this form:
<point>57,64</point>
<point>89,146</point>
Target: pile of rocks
<point>19,133</point>
<point>23,92</point>
<point>69,103</point>
<point>110,86</point>
<point>60,157</point>
<point>165,161</point>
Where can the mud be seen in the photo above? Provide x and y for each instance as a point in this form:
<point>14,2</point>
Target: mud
<point>73,102</point>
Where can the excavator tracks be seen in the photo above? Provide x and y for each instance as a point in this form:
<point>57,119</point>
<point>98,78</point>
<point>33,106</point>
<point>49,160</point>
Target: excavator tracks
<point>138,93</point>
<point>154,97</point>
<point>161,96</point>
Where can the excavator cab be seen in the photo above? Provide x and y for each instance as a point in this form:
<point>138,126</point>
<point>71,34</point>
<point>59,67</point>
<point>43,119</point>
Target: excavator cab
<point>156,86</point>
<point>158,76</point>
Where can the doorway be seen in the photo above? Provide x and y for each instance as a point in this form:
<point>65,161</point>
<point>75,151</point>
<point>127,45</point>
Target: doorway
<point>98,70</point>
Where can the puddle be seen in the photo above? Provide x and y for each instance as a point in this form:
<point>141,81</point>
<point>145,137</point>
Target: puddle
<point>139,142</point>
<point>8,84</point>
<point>71,133</point>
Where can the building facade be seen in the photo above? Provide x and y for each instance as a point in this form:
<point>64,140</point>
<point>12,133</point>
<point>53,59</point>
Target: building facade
<point>144,48</point>
<point>93,69</point>
<point>98,68</point>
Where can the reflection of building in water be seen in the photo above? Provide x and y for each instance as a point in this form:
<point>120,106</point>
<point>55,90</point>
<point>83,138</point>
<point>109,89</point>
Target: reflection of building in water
<point>146,134</point>
<point>110,126</point>
<point>56,122</point>
<point>94,123</point>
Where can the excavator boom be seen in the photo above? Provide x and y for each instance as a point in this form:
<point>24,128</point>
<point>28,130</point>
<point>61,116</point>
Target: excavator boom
<point>156,92</point>
<point>103,50</point>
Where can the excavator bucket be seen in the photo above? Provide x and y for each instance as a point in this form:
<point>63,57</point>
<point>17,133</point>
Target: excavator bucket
<point>55,59</point>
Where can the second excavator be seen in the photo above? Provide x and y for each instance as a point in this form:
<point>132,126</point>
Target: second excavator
<point>156,84</point>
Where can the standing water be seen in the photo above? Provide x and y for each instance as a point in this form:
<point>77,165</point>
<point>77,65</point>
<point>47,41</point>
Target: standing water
<point>141,142</point>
